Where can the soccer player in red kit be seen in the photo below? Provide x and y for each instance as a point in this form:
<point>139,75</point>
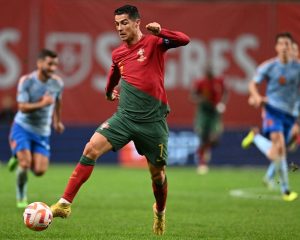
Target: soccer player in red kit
<point>142,109</point>
<point>210,95</point>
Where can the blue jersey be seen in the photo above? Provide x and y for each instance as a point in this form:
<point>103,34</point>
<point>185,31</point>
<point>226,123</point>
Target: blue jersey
<point>283,82</point>
<point>31,89</point>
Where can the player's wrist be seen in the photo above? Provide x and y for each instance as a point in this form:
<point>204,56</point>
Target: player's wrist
<point>108,94</point>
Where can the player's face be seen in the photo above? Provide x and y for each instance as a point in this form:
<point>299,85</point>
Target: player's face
<point>126,27</point>
<point>283,47</point>
<point>47,66</point>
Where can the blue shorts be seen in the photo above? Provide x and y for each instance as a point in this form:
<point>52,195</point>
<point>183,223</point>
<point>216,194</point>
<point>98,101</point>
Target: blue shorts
<point>21,139</point>
<point>277,121</point>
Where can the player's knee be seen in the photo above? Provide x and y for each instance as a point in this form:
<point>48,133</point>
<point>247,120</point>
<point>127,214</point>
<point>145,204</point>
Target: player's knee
<point>24,163</point>
<point>91,151</point>
<point>158,177</point>
<point>39,173</point>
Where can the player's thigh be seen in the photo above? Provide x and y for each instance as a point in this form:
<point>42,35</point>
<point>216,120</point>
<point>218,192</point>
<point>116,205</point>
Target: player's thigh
<point>40,145</point>
<point>117,131</point>
<point>41,153</point>
<point>25,158</point>
<point>40,164</point>
<point>272,122</point>
<point>216,127</point>
<point>278,141</point>
<point>19,140</point>
<point>204,126</point>
<point>290,128</point>
<point>151,140</point>
<point>97,145</point>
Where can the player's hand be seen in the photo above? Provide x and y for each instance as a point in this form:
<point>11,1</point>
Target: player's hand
<point>47,99</point>
<point>154,28</point>
<point>221,107</point>
<point>112,96</point>
<point>58,127</point>
<point>295,129</point>
<point>257,101</point>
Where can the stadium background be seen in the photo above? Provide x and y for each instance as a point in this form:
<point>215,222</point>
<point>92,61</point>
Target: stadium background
<point>236,37</point>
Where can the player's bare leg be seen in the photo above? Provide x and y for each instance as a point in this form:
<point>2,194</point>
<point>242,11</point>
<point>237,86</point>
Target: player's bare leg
<point>160,190</point>
<point>204,157</point>
<point>97,146</point>
<point>24,157</point>
<point>40,164</point>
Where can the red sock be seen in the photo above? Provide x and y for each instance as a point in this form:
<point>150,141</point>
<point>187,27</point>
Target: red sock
<point>160,193</point>
<point>201,153</point>
<point>80,174</point>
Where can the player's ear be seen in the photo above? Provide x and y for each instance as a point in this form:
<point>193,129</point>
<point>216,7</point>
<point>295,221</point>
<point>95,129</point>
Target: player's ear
<point>39,63</point>
<point>137,23</point>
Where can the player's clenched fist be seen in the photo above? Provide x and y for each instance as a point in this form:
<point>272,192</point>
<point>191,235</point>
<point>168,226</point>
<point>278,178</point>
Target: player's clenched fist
<point>153,28</point>
<point>112,96</point>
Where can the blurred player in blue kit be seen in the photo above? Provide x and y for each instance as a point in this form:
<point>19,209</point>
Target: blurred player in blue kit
<point>280,109</point>
<point>39,96</point>
<point>292,141</point>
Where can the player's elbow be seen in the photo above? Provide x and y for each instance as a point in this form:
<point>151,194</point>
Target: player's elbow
<point>22,108</point>
<point>185,40</point>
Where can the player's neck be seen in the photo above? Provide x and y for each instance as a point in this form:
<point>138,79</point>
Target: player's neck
<point>284,59</point>
<point>137,38</point>
<point>41,77</point>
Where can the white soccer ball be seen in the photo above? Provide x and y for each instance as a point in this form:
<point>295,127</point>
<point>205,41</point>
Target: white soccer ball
<point>37,216</point>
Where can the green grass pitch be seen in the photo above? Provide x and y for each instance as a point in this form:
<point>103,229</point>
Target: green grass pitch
<point>116,203</point>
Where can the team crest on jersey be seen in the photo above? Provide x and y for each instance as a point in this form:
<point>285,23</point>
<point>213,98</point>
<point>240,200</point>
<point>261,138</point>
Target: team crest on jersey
<point>282,80</point>
<point>141,54</point>
<point>269,122</point>
<point>104,125</point>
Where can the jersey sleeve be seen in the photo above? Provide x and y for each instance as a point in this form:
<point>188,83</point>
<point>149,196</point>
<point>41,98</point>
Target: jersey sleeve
<point>197,86</point>
<point>173,39</point>
<point>22,92</point>
<point>113,78</point>
<point>261,73</point>
<point>59,95</point>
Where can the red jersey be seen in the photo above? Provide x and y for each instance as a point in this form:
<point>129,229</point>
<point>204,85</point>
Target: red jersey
<point>141,67</point>
<point>211,89</point>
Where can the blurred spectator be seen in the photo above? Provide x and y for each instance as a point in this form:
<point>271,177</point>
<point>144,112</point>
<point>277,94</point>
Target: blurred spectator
<point>7,111</point>
<point>210,95</point>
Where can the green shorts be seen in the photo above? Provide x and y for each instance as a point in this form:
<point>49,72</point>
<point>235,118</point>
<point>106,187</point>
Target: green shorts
<point>208,125</point>
<point>150,138</point>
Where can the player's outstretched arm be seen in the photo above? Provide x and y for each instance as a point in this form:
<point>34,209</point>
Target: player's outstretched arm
<point>177,38</point>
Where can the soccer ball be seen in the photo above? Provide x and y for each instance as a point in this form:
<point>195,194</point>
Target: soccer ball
<point>37,216</point>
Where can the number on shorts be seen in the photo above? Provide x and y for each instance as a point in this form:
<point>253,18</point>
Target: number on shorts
<point>161,146</point>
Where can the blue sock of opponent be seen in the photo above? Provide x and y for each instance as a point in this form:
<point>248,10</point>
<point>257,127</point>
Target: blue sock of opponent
<point>270,174</point>
<point>284,175</point>
<point>262,143</point>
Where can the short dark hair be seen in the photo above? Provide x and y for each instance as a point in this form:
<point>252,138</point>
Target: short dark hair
<point>47,53</point>
<point>284,35</point>
<point>132,11</point>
